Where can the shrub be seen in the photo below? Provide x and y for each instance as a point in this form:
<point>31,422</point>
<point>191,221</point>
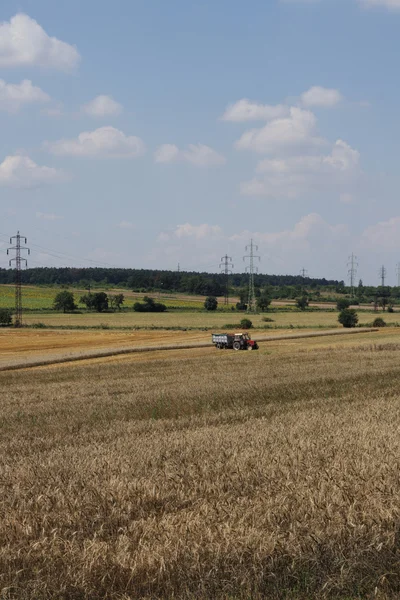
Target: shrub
<point>211,303</point>
<point>302,302</point>
<point>267,320</point>
<point>343,303</point>
<point>241,306</point>
<point>391,309</point>
<point>379,322</point>
<point>246,324</point>
<point>6,316</point>
<point>148,305</point>
<point>348,317</point>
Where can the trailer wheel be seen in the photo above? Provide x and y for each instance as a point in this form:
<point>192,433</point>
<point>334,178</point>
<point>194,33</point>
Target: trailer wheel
<point>236,345</point>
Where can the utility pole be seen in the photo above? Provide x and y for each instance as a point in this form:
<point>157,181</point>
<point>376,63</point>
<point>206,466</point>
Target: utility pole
<point>226,263</point>
<point>352,272</point>
<point>382,275</point>
<point>18,262</point>
<point>251,304</point>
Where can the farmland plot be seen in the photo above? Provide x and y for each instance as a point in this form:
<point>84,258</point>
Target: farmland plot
<point>254,475</point>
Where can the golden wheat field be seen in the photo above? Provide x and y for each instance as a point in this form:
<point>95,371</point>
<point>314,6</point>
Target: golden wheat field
<point>205,474</point>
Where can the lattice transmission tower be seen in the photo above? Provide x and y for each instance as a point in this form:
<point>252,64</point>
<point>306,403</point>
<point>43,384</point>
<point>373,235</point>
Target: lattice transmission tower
<point>18,259</point>
<point>382,275</point>
<point>227,265</point>
<point>304,273</point>
<point>398,274</point>
<point>251,269</point>
<point>352,272</point>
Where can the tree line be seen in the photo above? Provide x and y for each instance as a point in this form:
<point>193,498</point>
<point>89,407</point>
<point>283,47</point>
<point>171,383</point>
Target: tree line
<point>143,280</point>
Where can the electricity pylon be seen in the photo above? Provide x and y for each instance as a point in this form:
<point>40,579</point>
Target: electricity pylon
<point>251,269</point>
<point>227,265</point>
<point>352,272</point>
<point>382,275</point>
<point>18,264</point>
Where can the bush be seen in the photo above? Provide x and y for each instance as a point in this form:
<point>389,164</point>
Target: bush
<point>241,306</point>
<point>267,320</point>
<point>391,309</point>
<point>211,303</point>
<point>6,316</point>
<point>148,305</point>
<point>246,324</point>
<point>379,322</point>
<point>343,303</point>
<point>302,303</point>
<point>348,317</point>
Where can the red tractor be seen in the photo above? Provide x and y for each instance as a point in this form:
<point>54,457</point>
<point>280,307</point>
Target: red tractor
<point>236,341</point>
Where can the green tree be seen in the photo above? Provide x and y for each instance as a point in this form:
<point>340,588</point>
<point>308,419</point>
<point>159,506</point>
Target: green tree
<point>64,301</point>
<point>343,303</point>
<point>302,302</point>
<point>348,317</point>
<point>97,301</point>
<point>6,316</point>
<point>263,301</point>
<point>379,322</point>
<point>211,303</point>
<point>116,301</point>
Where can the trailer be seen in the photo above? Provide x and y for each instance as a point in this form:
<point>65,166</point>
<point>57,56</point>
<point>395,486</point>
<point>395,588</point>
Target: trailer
<point>234,341</point>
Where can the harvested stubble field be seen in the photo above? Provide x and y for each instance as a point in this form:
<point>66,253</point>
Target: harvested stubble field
<point>228,475</point>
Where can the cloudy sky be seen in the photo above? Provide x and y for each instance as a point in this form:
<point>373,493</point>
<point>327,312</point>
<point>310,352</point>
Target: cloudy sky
<point>146,133</point>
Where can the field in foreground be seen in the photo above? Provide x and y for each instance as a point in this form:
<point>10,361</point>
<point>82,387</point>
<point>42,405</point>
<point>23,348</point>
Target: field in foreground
<point>228,475</point>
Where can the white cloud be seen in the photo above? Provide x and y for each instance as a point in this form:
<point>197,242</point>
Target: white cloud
<point>48,216</point>
<point>22,172</point>
<point>390,4</point>
<point>105,142</point>
<point>126,225</point>
<point>320,96</point>
<point>246,110</point>
<point>197,231</point>
<point>102,106</point>
<point>166,153</point>
<point>282,135</point>
<point>198,155</point>
<point>383,236</point>
<point>203,156</point>
<point>14,95</point>
<point>310,231</point>
<point>294,176</point>
<point>23,42</point>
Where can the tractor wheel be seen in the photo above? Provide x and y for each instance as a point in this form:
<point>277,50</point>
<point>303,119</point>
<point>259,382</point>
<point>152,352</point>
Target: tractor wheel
<point>236,345</point>
<point>250,348</point>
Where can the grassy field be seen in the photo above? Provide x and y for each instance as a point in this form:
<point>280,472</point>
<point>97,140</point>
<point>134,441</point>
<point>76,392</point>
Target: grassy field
<point>212,320</point>
<point>222,475</point>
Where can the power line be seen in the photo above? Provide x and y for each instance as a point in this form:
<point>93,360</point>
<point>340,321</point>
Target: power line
<point>352,272</point>
<point>18,264</point>
<point>251,303</point>
<point>226,263</point>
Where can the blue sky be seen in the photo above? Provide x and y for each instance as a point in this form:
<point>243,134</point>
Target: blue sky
<point>145,133</point>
